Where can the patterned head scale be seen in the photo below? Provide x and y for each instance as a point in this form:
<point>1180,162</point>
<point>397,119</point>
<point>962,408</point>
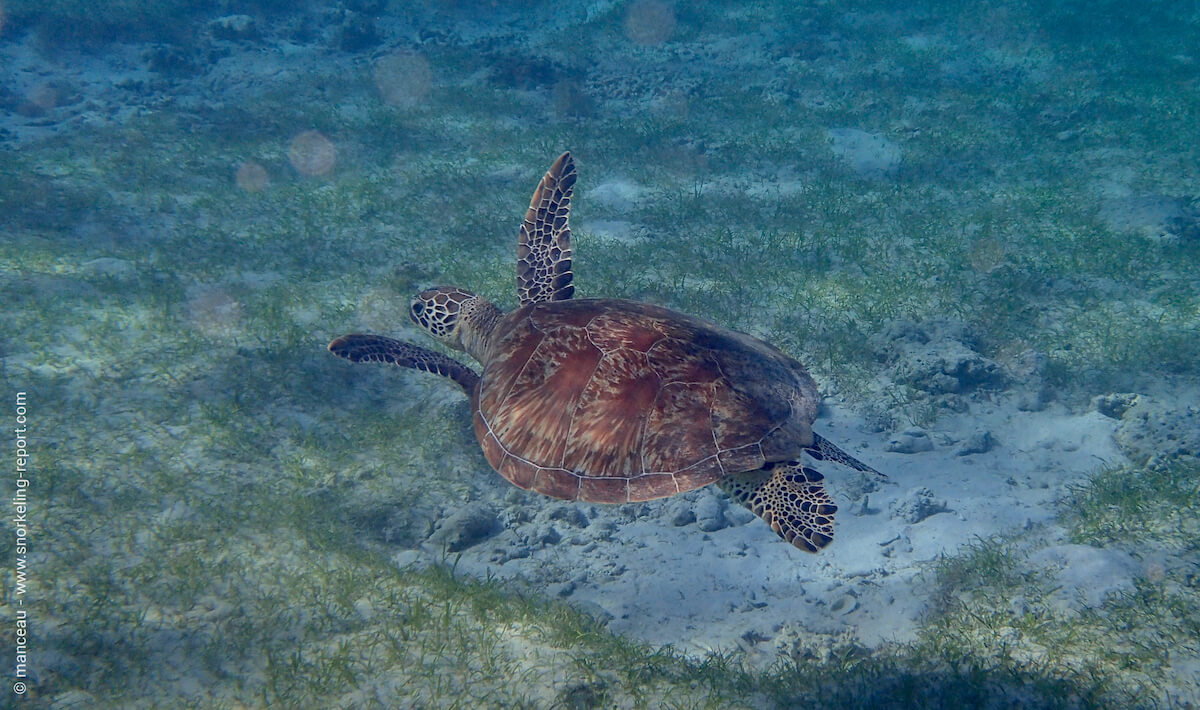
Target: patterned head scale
<point>438,309</point>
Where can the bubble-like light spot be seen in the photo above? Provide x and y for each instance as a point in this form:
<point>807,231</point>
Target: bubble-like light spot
<point>403,79</point>
<point>649,22</point>
<point>673,104</point>
<point>213,312</point>
<point>312,153</point>
<point>379,308</point>
<point>251,176</point>
<point>570,100</point>
<point>44,96</point>
<point>986,254</point>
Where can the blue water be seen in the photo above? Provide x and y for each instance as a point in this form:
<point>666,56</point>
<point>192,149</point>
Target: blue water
<point>977,225</point>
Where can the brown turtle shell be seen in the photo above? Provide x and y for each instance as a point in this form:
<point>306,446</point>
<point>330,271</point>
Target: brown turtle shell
<point>611,401</point>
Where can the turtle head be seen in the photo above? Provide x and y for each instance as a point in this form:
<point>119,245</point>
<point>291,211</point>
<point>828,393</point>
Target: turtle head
<point>458,318</point>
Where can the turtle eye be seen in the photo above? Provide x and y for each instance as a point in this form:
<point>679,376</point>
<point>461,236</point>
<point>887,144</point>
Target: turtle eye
<point>417,312</point>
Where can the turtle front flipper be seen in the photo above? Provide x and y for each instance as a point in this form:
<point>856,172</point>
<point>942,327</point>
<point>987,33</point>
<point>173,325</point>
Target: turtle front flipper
<point>358,347</point>
<point>544,246</point>
<point>790,498</point>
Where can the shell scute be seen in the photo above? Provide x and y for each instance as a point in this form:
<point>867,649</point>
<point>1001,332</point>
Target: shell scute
<point>743,458</point>
<point>520,472</point>
<point>516,345</point>
<point>557,314</point>
<point>609,419</point>
<point>663,356</point>
<point>610,332</point>
<point>738,419</point>
<point>678,428</point>
<point>557,483</point>
<point>652,486</point>
<point>493,451</point>
<point>700,475</point>
<point>604,490</point>
<point>532,396</point>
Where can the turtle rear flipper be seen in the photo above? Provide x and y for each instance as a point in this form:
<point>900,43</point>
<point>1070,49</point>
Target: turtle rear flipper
<point>823,449</point>
<point>359,347</point>
<point>790,498</point>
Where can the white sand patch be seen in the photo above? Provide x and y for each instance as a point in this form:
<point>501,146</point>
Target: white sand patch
<point>740,586</point>
<point>617,194</point>
<point>871,155</point>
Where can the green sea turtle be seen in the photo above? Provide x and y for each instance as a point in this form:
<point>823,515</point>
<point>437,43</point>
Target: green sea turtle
<point>612,401</point>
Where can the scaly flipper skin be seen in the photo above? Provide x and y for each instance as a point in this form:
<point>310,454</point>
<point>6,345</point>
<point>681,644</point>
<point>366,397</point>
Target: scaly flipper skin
<point>544,246</point>
<point>790,498</point>
<point>358,347</point>
<point>823,449</point>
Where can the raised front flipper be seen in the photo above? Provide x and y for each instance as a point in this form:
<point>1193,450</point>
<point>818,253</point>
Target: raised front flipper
<point>791,499</point>
<point>544,246</point>
<point>358,347</point>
